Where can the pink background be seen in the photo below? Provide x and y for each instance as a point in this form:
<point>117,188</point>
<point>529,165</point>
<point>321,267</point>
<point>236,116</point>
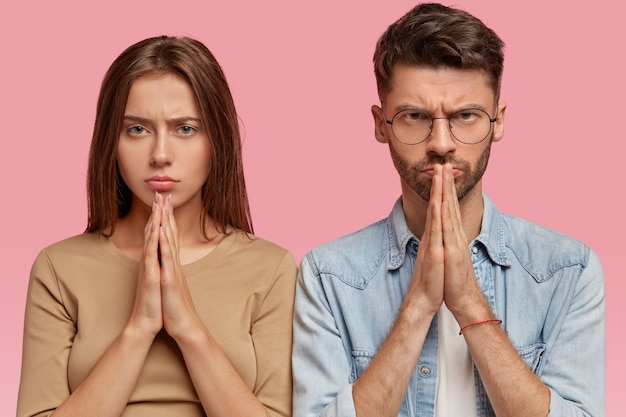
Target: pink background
<point>302,79</point>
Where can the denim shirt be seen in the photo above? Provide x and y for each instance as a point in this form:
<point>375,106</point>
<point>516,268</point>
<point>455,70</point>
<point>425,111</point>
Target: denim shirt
<point>547,288</point>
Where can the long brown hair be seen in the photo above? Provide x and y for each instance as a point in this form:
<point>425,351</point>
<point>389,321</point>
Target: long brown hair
<point>224,193</point>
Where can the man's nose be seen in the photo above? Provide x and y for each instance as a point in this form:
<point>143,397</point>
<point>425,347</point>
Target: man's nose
<point>440,140</point>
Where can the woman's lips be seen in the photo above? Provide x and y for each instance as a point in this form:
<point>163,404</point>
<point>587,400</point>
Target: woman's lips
<point>161,184</point>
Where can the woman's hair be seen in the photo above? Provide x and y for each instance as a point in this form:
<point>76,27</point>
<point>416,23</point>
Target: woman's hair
<point>433,35</point>
<point>224,194</point>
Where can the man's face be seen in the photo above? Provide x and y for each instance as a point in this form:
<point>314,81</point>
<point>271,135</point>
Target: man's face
<point>439,92</point>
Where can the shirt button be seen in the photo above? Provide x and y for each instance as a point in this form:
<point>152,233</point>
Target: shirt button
<point>474,250</point>
<point>425,371</point>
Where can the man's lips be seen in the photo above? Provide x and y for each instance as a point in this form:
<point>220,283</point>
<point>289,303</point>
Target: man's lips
<point>430,171</point>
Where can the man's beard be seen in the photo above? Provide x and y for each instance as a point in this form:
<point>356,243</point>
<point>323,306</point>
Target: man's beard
<point>421,186</point>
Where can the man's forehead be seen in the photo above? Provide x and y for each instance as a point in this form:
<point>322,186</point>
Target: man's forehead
<point>423,83</point>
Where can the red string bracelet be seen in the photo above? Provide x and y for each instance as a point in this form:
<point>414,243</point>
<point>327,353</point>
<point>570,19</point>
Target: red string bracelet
<point>479,322</point>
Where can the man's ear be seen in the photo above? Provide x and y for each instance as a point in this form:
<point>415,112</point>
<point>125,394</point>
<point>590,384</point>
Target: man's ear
<point>498,125</point>
<point>380,125</point>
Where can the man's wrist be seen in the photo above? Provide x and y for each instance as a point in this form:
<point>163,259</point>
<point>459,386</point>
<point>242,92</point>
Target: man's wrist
<point>473,311</point>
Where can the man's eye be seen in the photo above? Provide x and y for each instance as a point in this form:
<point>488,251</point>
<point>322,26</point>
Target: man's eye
<point>415,116</point>
<point>466,116</point>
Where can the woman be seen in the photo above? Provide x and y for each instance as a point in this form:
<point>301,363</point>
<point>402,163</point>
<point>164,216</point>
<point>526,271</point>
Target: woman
<point>167,304</point>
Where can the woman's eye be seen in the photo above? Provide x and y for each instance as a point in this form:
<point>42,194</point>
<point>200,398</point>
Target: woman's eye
<point>136,130</point>
<point>187,130</point>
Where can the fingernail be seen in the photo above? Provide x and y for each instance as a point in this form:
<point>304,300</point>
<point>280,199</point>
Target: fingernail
<point>164,229</point>
<point>170,199</point>
<point>156,196</point>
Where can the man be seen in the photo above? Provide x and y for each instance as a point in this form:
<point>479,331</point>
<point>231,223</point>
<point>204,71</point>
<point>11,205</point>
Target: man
<point>447,307</point>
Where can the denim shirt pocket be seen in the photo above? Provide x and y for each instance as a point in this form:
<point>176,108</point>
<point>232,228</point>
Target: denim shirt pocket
<point>360,361</point>
<point>533,356</point>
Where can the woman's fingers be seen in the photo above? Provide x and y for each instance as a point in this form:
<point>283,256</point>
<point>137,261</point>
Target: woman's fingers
<point>179,313</point>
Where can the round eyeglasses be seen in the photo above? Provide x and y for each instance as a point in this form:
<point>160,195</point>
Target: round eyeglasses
<point>469,126</point>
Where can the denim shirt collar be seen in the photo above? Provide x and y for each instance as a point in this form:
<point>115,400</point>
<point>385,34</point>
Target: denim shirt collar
<point>399,236</point>
<point>491,235</point>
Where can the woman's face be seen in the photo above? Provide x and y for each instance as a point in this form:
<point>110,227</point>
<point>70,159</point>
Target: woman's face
<point>163,146</point>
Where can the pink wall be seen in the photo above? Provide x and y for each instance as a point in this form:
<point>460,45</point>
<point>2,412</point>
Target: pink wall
<point>302,78</point>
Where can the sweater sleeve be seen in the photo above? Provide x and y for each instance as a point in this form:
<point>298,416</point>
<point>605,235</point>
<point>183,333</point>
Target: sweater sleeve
<point>48,334</point>
<point>272,336</point>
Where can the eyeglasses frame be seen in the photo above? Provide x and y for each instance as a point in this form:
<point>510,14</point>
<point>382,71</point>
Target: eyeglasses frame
<point>492,120</point>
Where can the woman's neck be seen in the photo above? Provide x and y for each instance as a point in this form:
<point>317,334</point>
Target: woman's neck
<point>129,231</point>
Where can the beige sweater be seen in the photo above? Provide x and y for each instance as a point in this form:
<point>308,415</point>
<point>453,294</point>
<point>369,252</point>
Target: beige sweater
<point>80,296</point>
